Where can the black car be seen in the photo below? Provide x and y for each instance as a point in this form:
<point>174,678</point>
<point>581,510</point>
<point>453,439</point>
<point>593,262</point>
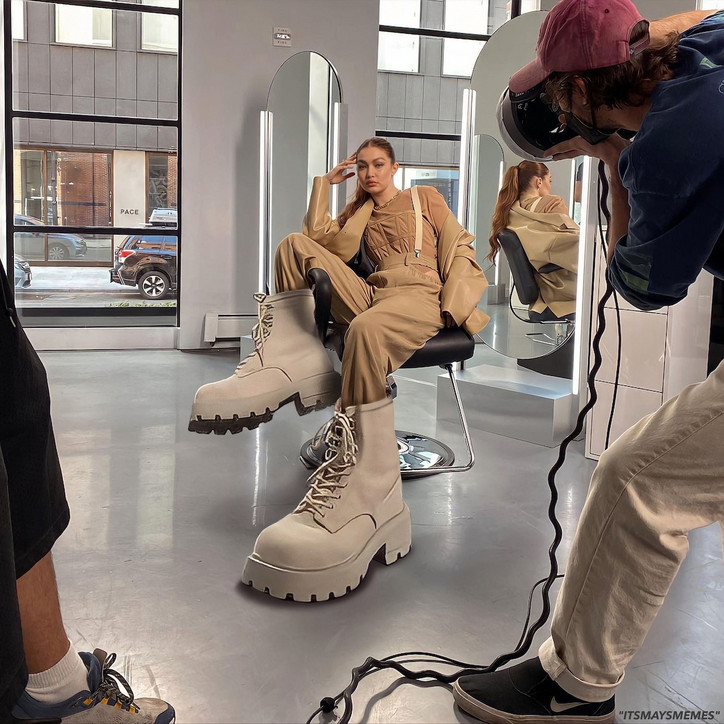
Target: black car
<point>148,262</point>
<point>61,247</point>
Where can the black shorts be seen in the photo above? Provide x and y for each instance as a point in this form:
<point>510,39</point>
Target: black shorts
<point>33,508</point>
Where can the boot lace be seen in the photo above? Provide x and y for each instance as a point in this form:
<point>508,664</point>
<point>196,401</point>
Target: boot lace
<point>261,330</point>
<point>341,454</point>
<point>109,688</point>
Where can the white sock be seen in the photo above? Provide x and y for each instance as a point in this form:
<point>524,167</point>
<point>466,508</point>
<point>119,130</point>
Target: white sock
<point>60,682</point>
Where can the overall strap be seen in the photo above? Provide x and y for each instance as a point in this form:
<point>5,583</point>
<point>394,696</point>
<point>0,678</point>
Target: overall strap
<point>418,220</point>
<point>534,205</point>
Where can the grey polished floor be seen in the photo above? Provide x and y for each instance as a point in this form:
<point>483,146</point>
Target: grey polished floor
<point>162,520</point>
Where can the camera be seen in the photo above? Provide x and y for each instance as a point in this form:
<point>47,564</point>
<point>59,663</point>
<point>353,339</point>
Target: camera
<point>530,123</point>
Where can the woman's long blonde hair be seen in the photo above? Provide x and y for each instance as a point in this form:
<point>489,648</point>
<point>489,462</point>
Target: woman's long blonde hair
<point>360,195</point>
<point>517,179</point>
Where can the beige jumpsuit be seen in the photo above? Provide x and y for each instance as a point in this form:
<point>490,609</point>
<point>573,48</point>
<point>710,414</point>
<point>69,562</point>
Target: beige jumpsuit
<point>392,313</point>
<point>549,235</point>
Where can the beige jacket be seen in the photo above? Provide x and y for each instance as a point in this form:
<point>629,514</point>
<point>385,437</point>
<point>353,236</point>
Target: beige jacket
<point>549,235</point>
<point>463,280</point>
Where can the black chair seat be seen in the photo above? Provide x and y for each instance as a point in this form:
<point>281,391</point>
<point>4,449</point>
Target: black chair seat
<point>446,347</point>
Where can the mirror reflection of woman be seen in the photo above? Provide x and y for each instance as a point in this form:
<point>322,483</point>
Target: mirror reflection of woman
<point>546,231</point>
<point>421,283</point>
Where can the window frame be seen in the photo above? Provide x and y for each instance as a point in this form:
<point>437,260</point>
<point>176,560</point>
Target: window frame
<point>11,113</point>
<point>515,11</point>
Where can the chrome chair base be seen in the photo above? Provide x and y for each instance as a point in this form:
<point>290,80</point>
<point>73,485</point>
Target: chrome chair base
<point>419,455</point>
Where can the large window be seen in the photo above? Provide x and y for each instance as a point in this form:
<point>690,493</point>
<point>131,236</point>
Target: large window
<point>711,4</point>
<point>160,32</point>
<point>423,76</point>
<point>94,135</point>
<point>18,20</point>
<point>83,26</point>
<point>459,56</point>
<point>398,52</point>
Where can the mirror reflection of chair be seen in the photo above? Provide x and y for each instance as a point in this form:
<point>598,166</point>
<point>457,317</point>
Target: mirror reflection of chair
<point>419,455</point>
<point>560,361</point>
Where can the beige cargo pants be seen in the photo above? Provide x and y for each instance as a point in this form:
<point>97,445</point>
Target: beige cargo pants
<point>659,480</point>
<point>390,315</point>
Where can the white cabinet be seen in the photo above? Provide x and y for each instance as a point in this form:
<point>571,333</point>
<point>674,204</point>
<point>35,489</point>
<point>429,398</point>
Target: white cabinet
<point>661,353</point>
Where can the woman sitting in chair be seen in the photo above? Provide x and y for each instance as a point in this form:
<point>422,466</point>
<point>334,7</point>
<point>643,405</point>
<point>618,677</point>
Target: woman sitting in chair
<point>546,231</point>
<point>426,278</point>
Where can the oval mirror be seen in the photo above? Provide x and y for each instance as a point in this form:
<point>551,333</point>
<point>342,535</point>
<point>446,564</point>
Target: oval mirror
<point>302,99</point>
<point>517,328</point>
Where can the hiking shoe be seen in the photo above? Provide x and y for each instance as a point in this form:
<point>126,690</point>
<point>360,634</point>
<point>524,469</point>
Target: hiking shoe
<point>525,694</point>
<point>102,703</point>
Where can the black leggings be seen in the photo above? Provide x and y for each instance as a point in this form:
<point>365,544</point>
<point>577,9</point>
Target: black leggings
<point>33,508</point>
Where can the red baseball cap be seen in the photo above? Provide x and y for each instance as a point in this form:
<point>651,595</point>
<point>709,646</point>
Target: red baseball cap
<point>580,35</point>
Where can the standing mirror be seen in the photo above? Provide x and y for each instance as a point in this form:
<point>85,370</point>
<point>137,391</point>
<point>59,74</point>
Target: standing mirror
<point>515,330</point>
<point>303,135</point>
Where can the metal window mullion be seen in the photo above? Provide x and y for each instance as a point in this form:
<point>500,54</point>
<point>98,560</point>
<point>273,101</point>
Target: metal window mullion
<point>418,134</point>
<point>94,230</point>
<point>401,30</point>
<point>122,6</point>
<point>94,118</point>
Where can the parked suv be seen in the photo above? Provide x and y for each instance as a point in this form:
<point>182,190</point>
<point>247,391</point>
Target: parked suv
<point>148,262</point>
<point>61,247</point>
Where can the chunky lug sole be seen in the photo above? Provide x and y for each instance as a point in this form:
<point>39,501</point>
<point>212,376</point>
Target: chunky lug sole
<point>388,544</point>
<point>314,394</point>
<point>494,716</point>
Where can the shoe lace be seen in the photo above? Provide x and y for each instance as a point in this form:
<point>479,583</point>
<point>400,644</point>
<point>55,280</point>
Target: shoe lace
<point>338,434</point>
<point>261,330</point>
<point>109,688</point>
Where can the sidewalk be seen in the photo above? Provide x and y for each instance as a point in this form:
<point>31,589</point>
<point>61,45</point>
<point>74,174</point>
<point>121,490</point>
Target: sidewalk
<point>69,286</point>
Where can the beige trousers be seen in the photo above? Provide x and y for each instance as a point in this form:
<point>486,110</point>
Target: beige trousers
<point>659,480</point>
<point>390,315</point>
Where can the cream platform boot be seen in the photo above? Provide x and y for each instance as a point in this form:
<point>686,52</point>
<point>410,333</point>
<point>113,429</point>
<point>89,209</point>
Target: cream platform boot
<point>352,511</point>
<point>289,364</point>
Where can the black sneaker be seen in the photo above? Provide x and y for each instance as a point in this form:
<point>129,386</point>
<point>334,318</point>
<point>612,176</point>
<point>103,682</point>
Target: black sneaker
<point>525,694</point>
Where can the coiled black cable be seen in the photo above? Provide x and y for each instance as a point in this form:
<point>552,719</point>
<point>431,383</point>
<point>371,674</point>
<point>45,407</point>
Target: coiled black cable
<point>397,662</point>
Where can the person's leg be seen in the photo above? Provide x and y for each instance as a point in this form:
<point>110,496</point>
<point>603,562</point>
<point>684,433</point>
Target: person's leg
<point>297,254</point>
<point>405,313</point>
<point>33,515</point>
<point>354,507</point>
<point>289,363</point>
<point>13,673</point>
<point>44,637</point>
<point>659,480</point>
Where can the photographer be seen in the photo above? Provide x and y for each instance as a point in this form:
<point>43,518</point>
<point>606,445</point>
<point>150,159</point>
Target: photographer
<point>611,69</point>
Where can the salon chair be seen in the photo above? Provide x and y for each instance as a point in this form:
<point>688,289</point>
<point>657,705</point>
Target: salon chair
<point>559,363</point>
<point>419,455</point>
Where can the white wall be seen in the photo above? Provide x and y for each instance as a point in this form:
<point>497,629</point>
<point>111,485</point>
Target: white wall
<point>650,9</point>
<point>228,64</point>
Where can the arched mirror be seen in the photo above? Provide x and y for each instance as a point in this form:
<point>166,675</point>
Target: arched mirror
<point>303,134</point>
<point>517,328</point>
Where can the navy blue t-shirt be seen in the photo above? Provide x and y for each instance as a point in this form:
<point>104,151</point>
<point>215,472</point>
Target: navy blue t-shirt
<point>674,173</point>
